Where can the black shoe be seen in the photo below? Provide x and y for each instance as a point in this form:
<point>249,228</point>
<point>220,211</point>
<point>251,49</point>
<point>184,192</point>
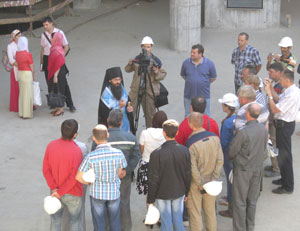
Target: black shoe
<point>271,173</point>
<point>281,190</point>
<point>277,182</point>
<point>268,168</point>
<point>72,109</point>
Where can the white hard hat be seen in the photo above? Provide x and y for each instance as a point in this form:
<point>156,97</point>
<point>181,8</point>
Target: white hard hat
<point>230,100</point>
<point>286,42</point>
<point>51,204</point>
<point>213,188</point>
<point>89,176</point>
<point>230,177</point>
<point>147,40</point>
<point>152,215</point>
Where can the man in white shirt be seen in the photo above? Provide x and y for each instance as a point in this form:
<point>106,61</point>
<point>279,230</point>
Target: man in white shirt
<point>285,108</point>
<point>46,38</point>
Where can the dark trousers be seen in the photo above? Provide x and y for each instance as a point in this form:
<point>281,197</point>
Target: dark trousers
<point>237,87</point>
<point>125,212</point>
<point>245,191</point>
<point>227,169</point>
<point>284,132</point>
<point>66,89</point>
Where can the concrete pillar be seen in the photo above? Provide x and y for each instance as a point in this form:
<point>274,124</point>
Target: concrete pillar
<point>86,4</point>
<point>185,24</point>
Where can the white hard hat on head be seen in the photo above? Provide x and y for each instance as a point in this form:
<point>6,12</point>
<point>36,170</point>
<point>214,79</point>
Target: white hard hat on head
<point>230,99</point>
<point>147,40</point>
<point>286,42</point>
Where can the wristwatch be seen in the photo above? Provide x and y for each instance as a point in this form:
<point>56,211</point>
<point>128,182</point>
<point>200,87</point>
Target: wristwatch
<point>270,97</point>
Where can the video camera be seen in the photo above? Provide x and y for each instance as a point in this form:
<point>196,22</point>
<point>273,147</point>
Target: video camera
<point>143,59</point>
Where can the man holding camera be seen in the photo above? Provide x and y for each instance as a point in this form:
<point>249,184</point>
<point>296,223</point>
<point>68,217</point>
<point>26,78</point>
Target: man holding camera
<point>285,108</point>
<point>145,86</point>
<point>287,59</point>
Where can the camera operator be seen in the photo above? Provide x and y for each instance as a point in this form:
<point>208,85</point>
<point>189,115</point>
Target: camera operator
<point>140,84</point>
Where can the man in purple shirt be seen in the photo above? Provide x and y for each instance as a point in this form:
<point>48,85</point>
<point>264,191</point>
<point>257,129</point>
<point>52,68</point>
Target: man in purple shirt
<point>198,73</point>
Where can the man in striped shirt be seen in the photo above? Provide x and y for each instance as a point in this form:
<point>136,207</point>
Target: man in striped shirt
<point>109,166</point>
<point>242,56</point>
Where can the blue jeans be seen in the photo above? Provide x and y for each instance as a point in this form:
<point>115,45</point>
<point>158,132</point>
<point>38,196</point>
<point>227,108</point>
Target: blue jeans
<point>187,107</point>
<point>99,208</point>
<point>73,204</point>
<point>171,213</point>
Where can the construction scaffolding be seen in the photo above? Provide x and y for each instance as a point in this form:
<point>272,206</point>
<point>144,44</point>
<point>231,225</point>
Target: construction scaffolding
<point>32,18</point>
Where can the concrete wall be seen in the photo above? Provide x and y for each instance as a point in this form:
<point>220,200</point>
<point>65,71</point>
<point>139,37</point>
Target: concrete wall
<point>217,15</point>
<point>185,24</point>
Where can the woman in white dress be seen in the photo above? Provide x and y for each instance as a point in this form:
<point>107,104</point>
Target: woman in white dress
<point>14,85</point>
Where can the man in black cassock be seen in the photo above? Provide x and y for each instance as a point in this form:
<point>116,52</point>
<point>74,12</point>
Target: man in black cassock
<point>114,96</point>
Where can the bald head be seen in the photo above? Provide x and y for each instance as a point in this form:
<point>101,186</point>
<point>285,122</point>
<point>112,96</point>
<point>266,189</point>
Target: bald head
<point>253,111</point>
<point>100,133</point>
<point>195,120</point>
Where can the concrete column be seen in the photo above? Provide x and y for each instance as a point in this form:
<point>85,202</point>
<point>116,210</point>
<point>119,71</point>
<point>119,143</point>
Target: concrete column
<point>185,24</point>
<point>86,4</point>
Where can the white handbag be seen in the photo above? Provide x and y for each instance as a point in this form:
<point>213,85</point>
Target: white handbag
<point>37,100</point>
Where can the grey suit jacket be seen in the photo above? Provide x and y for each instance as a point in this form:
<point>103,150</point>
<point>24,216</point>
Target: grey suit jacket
<point>248,146</point>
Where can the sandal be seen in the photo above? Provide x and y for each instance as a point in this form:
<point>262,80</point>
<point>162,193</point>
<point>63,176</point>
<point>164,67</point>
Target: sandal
<point>58,113</point>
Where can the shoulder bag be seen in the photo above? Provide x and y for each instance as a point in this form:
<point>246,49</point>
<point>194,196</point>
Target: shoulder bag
<point>56,99</point>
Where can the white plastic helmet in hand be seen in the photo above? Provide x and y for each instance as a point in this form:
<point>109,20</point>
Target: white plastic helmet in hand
<point>89,176</point>
<point>51,204</point>
<point>213,188</point>
<point>147,40</point>
<point>286,42</point>
<point>230,177</point>
<point>152,215</point>
<point>297,117</point>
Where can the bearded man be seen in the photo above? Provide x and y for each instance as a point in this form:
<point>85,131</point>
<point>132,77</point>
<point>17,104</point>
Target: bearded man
<point>114,96</point>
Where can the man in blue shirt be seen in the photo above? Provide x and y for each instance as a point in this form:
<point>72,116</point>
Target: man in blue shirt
<point>198,72</point>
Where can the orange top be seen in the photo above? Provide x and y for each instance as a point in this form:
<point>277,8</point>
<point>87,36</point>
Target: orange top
<point>24,59</point>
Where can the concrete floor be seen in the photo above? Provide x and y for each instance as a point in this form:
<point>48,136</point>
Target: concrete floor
<point>109,41</point>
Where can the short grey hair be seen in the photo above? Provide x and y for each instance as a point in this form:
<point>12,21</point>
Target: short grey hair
<point>254,110</point>
<point>115,118</point>
<point>248,92</point>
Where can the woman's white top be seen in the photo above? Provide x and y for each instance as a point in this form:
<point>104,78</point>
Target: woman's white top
<point>151,138</point>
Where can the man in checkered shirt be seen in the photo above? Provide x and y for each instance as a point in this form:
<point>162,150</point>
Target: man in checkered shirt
<point>244,55</point>
<point>109,166</point>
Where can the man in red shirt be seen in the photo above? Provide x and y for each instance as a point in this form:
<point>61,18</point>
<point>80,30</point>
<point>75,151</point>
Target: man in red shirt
<point>61,161</point>
<point>198,104</point>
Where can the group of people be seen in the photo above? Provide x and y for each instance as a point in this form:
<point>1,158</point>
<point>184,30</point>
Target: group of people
<point>175,160</point>
<point>54,49</point>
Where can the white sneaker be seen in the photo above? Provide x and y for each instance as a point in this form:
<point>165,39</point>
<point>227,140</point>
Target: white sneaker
<point>186,223</point>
